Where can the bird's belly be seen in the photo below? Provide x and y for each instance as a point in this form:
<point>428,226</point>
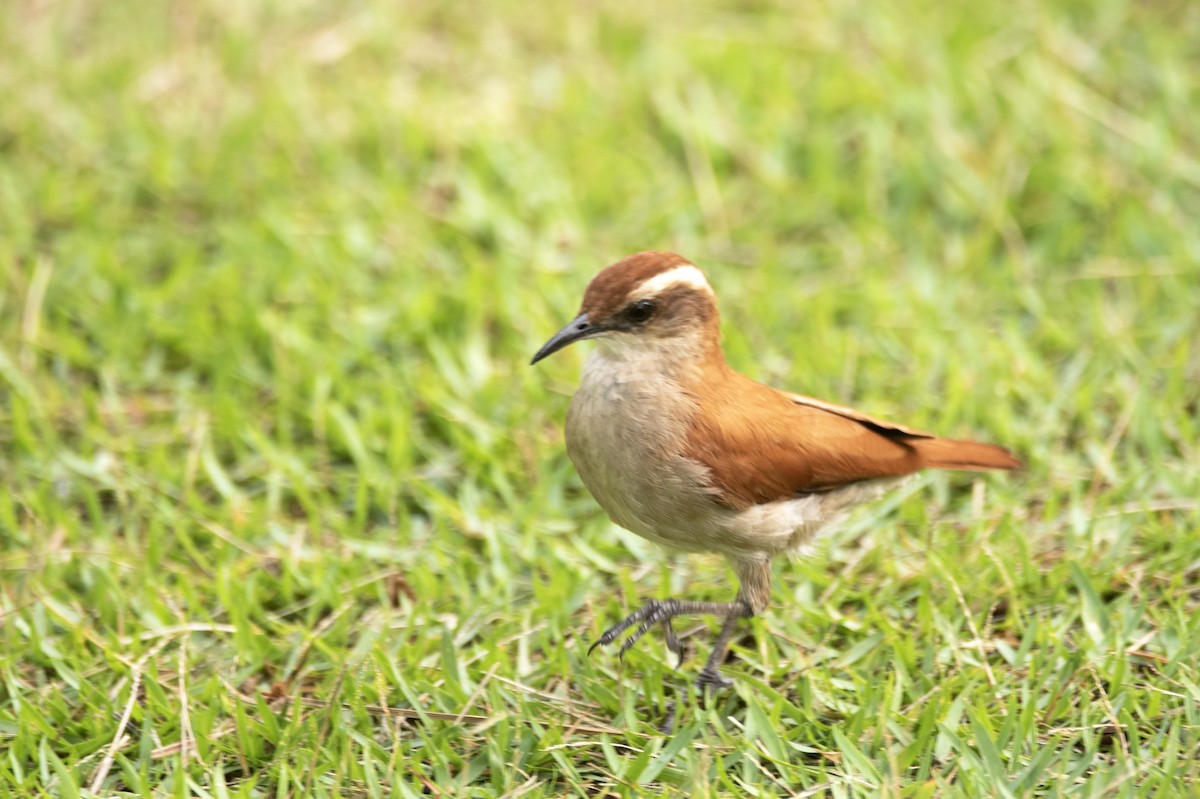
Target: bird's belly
<point>792,524</point>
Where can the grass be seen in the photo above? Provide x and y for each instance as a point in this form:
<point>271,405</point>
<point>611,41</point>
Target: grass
<point>287,514</point>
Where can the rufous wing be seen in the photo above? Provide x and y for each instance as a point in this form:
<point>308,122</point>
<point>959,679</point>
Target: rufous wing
<point>763,445</point>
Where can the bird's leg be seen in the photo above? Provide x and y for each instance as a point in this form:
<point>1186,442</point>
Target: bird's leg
<point>709,678</point>
<point>754,576</point>
<point>754,592</point>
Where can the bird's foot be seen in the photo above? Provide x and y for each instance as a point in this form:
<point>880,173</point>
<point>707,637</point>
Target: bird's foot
<point>656,611</point>
<point>661,611</point>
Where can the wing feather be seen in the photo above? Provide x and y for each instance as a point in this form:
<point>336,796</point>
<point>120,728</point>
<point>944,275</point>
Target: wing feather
<point>762,445</point>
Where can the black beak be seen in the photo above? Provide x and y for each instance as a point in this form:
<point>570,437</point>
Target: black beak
<point>576,330</point>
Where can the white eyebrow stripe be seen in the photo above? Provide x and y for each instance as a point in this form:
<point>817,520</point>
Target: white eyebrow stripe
<point>686,275</point>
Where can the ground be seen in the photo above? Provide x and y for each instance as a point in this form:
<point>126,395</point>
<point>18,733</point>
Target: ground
<point>286,512</point>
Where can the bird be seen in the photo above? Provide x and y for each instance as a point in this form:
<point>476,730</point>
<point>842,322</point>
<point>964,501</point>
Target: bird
<point>682,450</point>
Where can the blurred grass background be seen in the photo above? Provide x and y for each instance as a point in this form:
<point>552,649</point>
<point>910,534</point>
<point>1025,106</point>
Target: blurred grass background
<point>285,513</point>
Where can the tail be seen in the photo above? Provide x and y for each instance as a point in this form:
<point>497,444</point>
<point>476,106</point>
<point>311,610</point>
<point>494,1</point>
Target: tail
<point>947,453</point>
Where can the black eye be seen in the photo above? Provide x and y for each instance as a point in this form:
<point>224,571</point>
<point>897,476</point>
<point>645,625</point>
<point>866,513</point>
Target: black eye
<point>640,311</point>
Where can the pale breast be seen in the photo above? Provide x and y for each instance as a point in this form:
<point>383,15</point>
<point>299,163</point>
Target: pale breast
<point>625,433</point>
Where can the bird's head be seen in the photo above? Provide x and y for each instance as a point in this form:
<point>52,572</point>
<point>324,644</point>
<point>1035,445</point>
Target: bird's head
<point>649,299</point>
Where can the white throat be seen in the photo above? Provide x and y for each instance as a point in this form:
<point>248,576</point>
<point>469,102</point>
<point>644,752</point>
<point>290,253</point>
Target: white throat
<point>664,354</point>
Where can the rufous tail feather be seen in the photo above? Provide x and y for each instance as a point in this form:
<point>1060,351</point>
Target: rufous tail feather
<point>948,453</point>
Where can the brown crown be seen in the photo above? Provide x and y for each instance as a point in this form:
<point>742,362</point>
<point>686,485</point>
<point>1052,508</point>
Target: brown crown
<point>609,289</point>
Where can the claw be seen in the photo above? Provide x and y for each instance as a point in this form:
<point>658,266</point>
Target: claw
<point>673,643</point>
